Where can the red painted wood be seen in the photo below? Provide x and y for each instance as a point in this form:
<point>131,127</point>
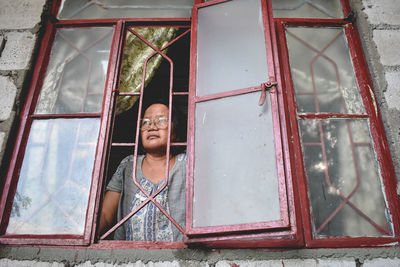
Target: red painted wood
<point>64,116</point>
<point>98,171</point>
<point>380,142</point>
<point>329,115</point>
<point>287,145</point>
<point>108,22</point>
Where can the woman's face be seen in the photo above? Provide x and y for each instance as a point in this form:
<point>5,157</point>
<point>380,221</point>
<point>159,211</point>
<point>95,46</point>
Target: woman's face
<point>154,138</point>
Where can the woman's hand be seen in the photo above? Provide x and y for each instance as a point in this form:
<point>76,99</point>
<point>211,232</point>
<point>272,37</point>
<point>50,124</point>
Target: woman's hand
<point>109,211</point>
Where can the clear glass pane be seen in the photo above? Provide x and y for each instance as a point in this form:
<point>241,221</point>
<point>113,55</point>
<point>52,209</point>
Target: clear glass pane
<point>100,9</point>
<point>322,71</point>
<point>235,176</point>
<point>231,51</point>
<point>77,71</point>
<point>307,9</point>
<point>345,188</point>
<point>54,183</point>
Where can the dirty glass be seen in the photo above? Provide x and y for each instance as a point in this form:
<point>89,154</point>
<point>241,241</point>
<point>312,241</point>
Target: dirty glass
<point>101,9</point>
<point>345,190</point>
<point>235,175</point>
<point>77,71</point>
<point>307,9</point>
<point>322,71</point>
<point>242,63</point>
<point>53,188</point>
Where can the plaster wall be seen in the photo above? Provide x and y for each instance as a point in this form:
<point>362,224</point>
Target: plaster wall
<point>20,23</point>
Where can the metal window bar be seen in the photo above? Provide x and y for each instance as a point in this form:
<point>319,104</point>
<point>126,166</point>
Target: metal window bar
<point>151,198</point>
<point>345,199</point>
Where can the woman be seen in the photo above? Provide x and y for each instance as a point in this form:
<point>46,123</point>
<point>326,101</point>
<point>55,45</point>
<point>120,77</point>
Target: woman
<point>122,195</point>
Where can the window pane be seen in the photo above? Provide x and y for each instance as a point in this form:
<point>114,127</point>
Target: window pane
<point>76,75</point>
<point>322,71</point>
<point>242,63</point>
<point>307,9</point>
<point>345,188</point>
<point>235,176</point>
<point>83,9</point>
<point>54,183</point>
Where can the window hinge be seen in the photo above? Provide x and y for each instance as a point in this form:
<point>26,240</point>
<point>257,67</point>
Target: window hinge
<point>351,17</point>
<point>52,18</point>
<point>268,86</point>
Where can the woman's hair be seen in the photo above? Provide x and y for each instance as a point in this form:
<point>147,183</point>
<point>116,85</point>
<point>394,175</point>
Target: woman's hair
<point>178,121</point>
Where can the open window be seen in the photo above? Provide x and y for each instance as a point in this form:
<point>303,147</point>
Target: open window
<point>154,67</point>
<point>237,174</point>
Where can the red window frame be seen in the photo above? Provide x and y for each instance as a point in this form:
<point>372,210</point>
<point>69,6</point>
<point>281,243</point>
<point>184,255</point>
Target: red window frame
<point>28,116</point>
<point>380,144</point>
<point>283,228</point>
<point>296,230</point>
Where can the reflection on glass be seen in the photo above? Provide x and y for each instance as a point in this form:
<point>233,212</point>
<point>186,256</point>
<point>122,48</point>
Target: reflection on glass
<point>55,178</point>
<point>307,9</point>
<point>235,176</point>
<point>231,51</point>
<point>322,71</point>
<point>340,166</point>
<point>76,74</point>
<point>100,9</point>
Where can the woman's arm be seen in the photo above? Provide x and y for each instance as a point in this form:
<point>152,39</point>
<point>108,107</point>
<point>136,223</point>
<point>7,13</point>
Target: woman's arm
<point>109,211</point>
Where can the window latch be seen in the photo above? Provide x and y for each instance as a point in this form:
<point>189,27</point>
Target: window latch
<point>268,86</point>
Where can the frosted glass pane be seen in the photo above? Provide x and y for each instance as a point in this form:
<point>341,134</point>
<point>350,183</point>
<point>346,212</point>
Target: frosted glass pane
<point>322,71</point>
<point>307,9</point>
<point>54,183</point>
<point>340,163</point>
<point>231,51</point>
<point>235,177</point>
<point>83,9</point>
<point>77,71</point>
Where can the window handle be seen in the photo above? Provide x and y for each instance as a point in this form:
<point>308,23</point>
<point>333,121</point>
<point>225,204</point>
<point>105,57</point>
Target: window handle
<point>264,88</point>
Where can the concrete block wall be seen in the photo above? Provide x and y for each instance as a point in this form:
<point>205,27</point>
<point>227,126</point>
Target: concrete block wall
<point>379,25</point>
<point>378,22</point>
<point>19,27</point>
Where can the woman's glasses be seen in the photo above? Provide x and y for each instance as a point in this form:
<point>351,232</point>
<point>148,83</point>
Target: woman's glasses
<point>160,122</point>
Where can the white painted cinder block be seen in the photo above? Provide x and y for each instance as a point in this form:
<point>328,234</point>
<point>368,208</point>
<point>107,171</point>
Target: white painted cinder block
<point>17,51</point>
<point>300,263</point>
<point>336,263</point>
<point>14,263</point>
<point>142,264</point>
<point>387,42</point>
<point>383,11</point>
<point>20,14</point>
<point>382,263</point>
<point>392,93</point>
<point>2,136</point>
<point>1,43</point>
<point>7,92</point>
<point>264,263</point>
